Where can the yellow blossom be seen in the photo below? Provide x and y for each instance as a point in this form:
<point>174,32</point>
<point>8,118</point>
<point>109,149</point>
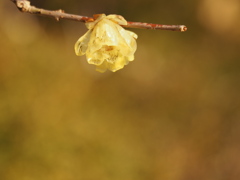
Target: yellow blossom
<point>106,44</point>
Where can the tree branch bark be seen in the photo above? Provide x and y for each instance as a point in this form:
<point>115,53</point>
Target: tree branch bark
<point>25,6</point>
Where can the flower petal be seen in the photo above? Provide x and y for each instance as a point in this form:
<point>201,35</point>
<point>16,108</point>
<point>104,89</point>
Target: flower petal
<point>103,67</point>
<point>129,38</point>
<point>105,33</point>
<point>117,19</point>
<point>91,25</point>
<point>119,64</point>
<point>82,44</point>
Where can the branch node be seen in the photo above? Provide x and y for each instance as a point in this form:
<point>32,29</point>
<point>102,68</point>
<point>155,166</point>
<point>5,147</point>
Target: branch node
<point>61,11</point>
<point>58,17</point>
<point>23,5</point>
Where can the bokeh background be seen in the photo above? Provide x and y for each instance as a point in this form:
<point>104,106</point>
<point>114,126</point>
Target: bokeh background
<point>171,114</point>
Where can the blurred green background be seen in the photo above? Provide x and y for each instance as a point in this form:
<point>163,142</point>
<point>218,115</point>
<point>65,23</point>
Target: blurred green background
<point>171,114</point>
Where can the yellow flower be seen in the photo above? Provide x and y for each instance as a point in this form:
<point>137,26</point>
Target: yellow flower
<point>106,44</point>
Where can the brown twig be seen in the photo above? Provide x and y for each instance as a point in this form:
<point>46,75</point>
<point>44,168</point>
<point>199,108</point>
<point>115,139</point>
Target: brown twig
<point>25,6</point>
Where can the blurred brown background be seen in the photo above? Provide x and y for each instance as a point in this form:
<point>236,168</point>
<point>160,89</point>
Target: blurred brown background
<point>171,114</point>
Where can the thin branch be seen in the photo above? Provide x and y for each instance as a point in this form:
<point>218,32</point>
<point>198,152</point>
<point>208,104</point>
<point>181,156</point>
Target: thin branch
<point>25,6</point>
